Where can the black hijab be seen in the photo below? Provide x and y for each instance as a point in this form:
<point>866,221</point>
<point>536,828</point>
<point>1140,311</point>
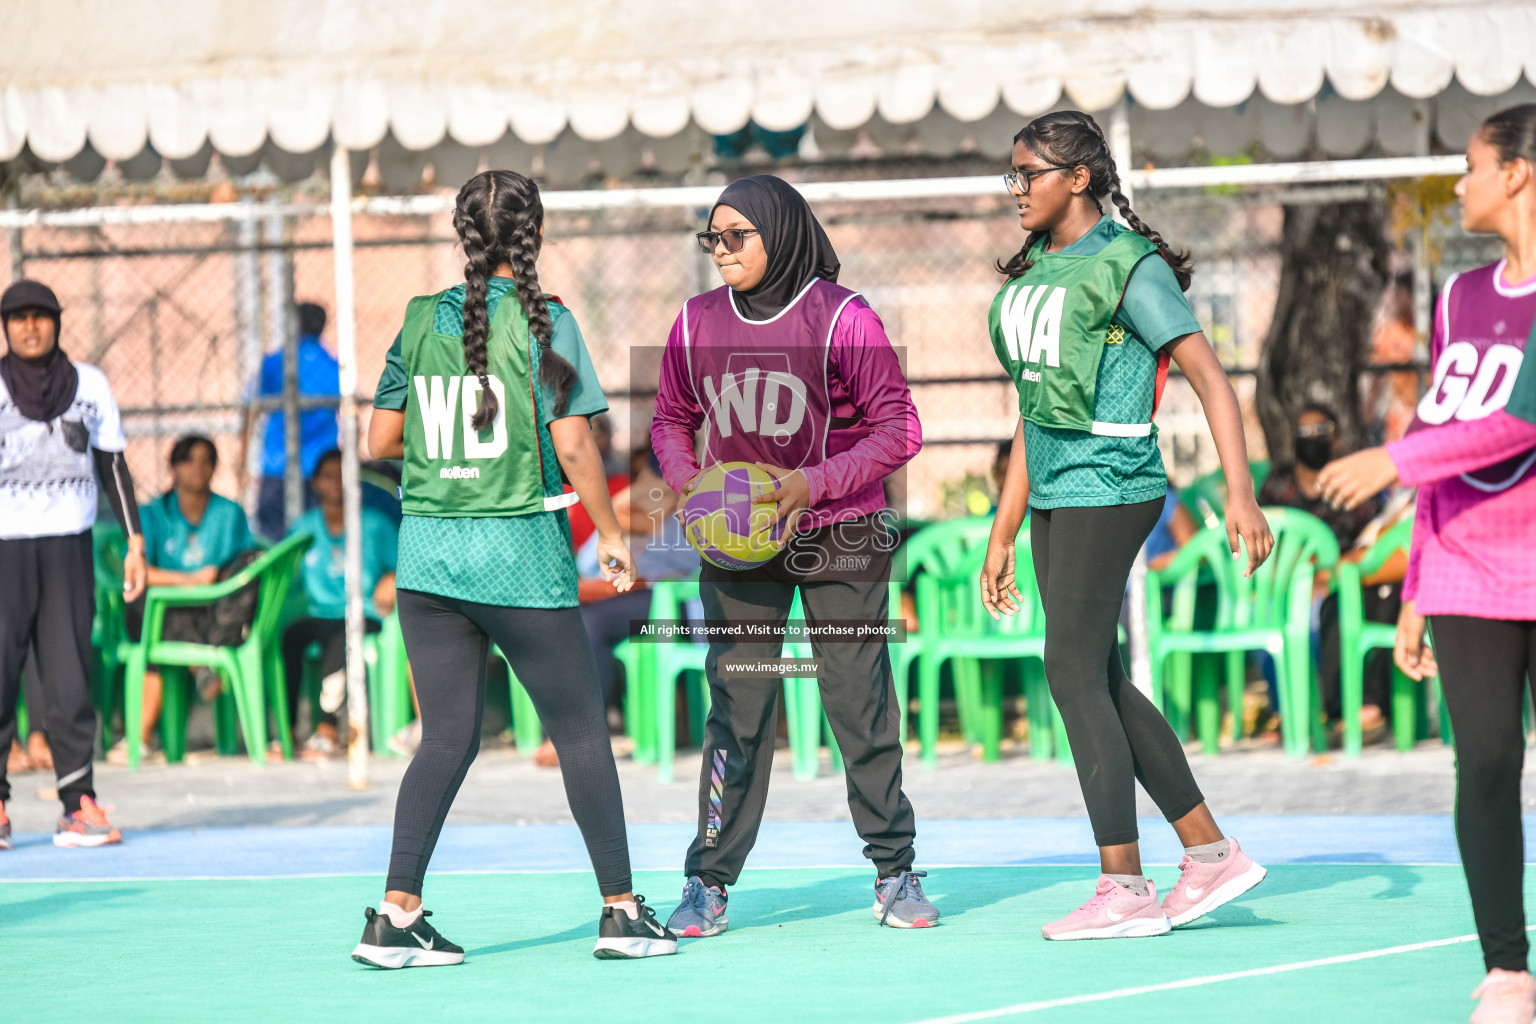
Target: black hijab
<point>798,249</point>
<point>42,388</point>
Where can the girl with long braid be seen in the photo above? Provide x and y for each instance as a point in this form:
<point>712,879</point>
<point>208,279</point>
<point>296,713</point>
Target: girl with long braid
<point>1086,325</point>
<point>486,396</point>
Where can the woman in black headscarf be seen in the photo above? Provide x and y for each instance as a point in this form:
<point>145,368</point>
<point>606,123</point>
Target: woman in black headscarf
<point>56,418</point>
<point>785,368</point>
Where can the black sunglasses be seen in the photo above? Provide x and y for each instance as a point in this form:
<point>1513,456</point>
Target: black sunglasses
<point>1019,180</point>
<point>734,238</point>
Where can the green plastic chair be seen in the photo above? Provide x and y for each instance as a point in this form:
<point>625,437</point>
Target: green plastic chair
<point>1206,497</point>
<point>1270,612</point>
<point>965,635</point>
<point>936,552</point>
<point>1358,637</point>
<point>109,630</point>
<point>252,671</point>
<point>527,732</point>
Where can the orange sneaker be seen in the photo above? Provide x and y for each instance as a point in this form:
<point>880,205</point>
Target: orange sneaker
<point>86,827</point>
<point>5,829</point>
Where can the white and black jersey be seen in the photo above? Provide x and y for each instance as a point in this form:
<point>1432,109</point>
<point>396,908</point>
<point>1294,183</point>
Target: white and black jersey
<point>47,484</point>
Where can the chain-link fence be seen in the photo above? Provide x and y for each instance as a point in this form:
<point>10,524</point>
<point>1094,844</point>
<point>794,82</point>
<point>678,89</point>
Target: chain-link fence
<point>180,315</point>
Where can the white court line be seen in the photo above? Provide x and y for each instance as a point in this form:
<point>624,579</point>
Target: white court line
<point>1209,979</point>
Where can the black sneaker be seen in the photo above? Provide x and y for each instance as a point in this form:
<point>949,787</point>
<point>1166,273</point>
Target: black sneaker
<point>420,945</point>
<point>620,937</point>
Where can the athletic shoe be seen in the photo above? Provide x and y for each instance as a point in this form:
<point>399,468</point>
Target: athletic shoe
<point>621,937</point>
<point>5,829</point>
<point>1114,913</point>
<point>419,945</point>
<point>86,827</point>
<point>900,903</point>
<point>1202,888</point>
<point>702,912</point>
<point>1508,997</point>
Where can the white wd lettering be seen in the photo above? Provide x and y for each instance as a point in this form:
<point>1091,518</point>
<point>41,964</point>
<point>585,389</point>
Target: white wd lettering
<point>1456,392</point>
<point>437,413</point>
<point>733,394</point>
<point>474,448</point>
<point>1047,339</point>
<point>459,473</point>
<point>771,422</point>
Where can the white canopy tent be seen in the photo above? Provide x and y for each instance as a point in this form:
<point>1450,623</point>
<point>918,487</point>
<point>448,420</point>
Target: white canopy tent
<point>603,82</point>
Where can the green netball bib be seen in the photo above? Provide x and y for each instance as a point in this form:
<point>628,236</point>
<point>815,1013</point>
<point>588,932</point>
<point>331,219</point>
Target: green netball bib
<point>451,469</point>
<point>1049,328</point>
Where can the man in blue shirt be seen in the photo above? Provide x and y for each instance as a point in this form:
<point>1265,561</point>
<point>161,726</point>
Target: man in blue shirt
<point>319,374</point>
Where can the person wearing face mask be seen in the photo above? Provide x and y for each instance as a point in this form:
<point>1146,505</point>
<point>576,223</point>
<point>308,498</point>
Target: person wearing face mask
<point>58,423</point>
<point>1296,486</point>
<point>785,368</point>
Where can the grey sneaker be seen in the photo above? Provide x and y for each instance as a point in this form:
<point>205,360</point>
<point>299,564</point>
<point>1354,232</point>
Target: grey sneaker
<point>900,903</point>
<point>702,912</point>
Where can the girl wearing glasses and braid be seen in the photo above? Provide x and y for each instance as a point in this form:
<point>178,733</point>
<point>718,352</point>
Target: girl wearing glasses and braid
<point>1086,325</point>
<point>785,368</point>
<point>486,395</point>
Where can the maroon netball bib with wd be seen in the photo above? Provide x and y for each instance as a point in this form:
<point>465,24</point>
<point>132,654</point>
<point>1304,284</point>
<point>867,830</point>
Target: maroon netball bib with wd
<point>1485,326</point>
<point>763,383</point>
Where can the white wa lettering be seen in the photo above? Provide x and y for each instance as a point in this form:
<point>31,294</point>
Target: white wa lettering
<point>735,394</point>
<point>474,448</point>
<point>1014,315</point>
<point>437,413</point>
<point>1047,337</point>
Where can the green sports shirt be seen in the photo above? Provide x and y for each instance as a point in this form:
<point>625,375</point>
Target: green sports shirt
<point>1076,468</point>
<point>514,561</point>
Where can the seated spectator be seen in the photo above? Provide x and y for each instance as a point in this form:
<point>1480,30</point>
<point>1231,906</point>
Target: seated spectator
<point>645,510</point>
<point>324,579</point>
<point>1296,486</point>
<point>190,535</point>
<point>1382,599</point>
<point>1174,529</point>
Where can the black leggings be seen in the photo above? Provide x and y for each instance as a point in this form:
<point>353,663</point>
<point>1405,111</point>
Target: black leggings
<point>448,642</point>
<point>1083,558</point>
<point>1485,665</point>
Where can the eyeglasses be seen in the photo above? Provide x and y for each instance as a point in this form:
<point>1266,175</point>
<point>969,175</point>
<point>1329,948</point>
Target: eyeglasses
<point>734,238</point>
<point>1018,181</point>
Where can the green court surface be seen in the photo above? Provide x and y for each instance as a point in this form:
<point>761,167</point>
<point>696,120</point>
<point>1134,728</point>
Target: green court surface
<point>802,947</point>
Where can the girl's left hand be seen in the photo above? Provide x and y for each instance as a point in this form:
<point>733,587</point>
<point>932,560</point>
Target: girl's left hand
<point>792,495</point>
<point>622,572</point>
<point>1246,520</point>
<point>1353,479</point>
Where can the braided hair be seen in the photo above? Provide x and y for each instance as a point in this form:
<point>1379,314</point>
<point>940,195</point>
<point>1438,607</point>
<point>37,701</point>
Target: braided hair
<point>1073,139</point>
<point>497,216</point>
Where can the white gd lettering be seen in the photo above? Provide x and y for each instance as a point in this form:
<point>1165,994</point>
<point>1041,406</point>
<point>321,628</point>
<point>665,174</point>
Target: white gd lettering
<point>1457,392</point>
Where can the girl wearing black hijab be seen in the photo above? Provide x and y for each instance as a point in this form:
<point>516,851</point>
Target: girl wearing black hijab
<point>57,418</point>
<point>785,368</point>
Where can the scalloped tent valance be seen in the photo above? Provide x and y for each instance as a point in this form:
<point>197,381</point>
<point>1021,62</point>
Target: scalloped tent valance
<point>183,76</point>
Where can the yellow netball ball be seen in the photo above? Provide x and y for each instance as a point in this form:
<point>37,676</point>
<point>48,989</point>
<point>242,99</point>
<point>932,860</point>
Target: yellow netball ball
<point>723,523</point>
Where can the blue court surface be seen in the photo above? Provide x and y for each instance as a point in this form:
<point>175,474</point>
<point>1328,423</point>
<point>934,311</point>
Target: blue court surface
<point>1361,918</point>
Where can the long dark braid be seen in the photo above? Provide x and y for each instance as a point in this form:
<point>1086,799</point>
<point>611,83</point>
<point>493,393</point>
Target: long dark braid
<point>497,216</point>
<point>1072,138</point>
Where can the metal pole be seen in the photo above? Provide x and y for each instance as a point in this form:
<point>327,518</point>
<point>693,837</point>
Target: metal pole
<point>280,314</point>
<point>248,302</point>
<point>1120,146</point>
<point>18,258</point>
<point>351,484</point>
<point>1423,273</point>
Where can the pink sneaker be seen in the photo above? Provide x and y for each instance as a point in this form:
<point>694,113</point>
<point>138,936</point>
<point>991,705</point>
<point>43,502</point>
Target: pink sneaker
<point>1508,997</point>
<point>1202,888</point>
<point>1114,913</point>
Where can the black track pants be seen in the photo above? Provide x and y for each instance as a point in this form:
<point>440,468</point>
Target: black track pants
<point>857,692</point>
<point>1485,666</point>
<point>448,642</point>
<point>48,597</point>
<point>1083,557</point>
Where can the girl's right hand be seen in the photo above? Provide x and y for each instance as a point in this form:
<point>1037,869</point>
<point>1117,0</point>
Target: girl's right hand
<point>999,592</point>
<point>622,572</point>
<point>1411,653</point>
<point>682,498</point>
